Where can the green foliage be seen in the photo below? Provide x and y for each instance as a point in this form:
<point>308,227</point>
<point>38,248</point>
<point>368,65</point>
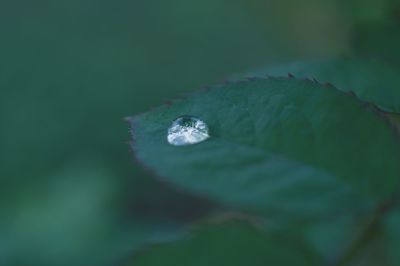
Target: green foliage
<point>70,71</point>
<point>290,138</point>
<point>380,40</point>
<point>371,81</point>
<point>392,235</point>
<point>289,151</point>
<point>226,244</point>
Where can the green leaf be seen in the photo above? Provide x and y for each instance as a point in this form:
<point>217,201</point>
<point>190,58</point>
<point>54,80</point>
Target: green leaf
<point>392,236</point>
<point>394,120</point>
<point>379,40</point>
<point>380,244</point>
<point>332,237</point>
<point>370,80</point>
<point>63,221</point>
<point>230,243</point>
<point>281,147</point>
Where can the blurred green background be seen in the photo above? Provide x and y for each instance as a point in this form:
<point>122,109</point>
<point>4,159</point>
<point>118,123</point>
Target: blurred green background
<point>70,71</point>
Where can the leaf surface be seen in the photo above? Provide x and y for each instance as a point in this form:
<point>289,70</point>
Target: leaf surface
<point>371,81</point>
<point>281,147</point>
<point>228,244</point>
<point>381,40</point>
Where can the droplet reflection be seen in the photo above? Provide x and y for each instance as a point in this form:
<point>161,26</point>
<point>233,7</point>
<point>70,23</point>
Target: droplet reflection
<point>187,130</point>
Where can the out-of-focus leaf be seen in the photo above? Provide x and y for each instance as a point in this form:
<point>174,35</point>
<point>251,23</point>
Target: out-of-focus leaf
<point>379,244</point>
<point>379,41</point>
<point>394,120</point>
<point>75,220</point>
<point>371,80</point>
<point>391,230</point>
<point>278,146</point>
<point>65,87</point>
<point>332,236</point>
<point>228,244</point>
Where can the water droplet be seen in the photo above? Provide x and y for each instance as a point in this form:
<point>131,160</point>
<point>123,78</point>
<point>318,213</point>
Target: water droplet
<point>187,130</point>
